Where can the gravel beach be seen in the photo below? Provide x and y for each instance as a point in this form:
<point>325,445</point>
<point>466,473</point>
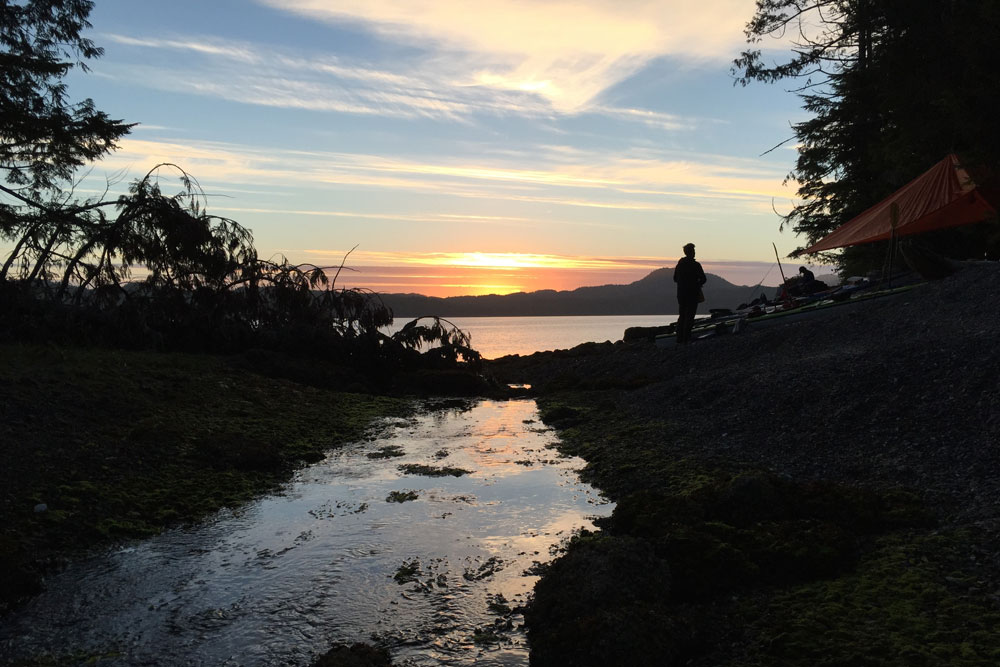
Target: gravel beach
<point>895,394</point>
<point>899,390</point>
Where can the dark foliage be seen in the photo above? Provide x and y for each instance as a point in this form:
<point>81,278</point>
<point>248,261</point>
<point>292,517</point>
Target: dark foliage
<point>152,269</point>
<point>891,88</point>
<point>450,344</point>
<point>163,274</point>
<point>44,135</point>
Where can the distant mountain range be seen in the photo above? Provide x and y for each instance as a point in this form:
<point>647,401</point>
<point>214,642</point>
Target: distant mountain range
<point>653,295</point>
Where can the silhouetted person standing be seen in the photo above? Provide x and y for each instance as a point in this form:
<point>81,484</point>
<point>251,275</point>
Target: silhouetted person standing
<point>689,277</point>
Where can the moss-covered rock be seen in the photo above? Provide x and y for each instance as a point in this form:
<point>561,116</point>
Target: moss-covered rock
<point>605,602</point>
<point>354,655</point>
<point>764,569</point>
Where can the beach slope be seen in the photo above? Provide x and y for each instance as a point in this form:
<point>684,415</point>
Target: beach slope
<point>819,492</point>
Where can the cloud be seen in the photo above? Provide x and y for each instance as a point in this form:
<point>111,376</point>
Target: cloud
<point>560,177</point>
<point>252,74</point>
<point>564,52</point>
<point>533,58</point>
<point>495,260</point>
<point>663,121</point>
<point>207,47</point>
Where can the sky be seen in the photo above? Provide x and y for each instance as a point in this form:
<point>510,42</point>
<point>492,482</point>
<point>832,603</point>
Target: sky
<point>450,148</point>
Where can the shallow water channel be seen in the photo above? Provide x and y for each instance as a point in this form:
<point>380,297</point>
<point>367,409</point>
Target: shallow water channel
<point>436,578</point>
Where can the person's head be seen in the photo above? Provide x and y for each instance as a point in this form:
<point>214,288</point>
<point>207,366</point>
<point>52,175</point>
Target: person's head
<point>689,250</point>
<point>802,269</point>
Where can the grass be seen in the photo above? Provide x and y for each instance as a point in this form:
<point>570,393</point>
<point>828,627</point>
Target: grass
<point>121,444</point>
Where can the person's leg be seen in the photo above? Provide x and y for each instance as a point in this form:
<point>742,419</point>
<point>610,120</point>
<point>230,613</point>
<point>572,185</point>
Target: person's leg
<point>692,308</point>
<point>685,318</point>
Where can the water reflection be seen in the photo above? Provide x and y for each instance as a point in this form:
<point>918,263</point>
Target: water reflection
<point>436,579</point>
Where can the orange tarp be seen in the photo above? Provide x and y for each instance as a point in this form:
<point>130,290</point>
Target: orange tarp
<point>943,196</point>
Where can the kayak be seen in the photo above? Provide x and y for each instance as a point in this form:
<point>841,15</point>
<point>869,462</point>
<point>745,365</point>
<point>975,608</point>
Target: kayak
<point>736,322</point>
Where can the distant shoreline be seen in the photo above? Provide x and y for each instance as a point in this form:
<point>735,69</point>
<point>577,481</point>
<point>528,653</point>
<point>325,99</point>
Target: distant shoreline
<point>465,317</point>
<point>653,295</point>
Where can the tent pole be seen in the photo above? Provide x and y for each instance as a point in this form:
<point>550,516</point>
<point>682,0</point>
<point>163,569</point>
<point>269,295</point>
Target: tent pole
<point>779,262</point>
<point>893,221</point>
<point>784,286</point>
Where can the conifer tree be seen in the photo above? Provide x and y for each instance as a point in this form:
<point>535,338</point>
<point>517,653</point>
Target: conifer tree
<point>44,136</point>
<point>891,86</point>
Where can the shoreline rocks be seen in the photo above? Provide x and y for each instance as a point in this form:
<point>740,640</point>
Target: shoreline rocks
<point>898,398</point>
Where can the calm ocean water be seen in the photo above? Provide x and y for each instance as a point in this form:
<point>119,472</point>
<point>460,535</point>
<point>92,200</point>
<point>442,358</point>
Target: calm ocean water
<point>498,336</point>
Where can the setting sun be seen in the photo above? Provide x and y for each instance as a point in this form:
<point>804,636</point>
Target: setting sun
<point>444,274</point>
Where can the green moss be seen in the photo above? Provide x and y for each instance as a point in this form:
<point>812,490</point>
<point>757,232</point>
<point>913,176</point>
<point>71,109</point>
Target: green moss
<point>408,572</point>
<point>902,606</point>
<point>68,660</point>
<point>764,570</point>
<point>387,452</point>
<point>485,636</point>
<point>623,456</point>
<point>355,655</point>
<point>432,471</point>
<point>499,605</point>
<point>122,444</point>
<point>401,496</point>
<point>606,601</point>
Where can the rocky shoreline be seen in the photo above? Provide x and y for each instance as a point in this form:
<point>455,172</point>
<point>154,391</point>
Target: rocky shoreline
<point>896,397</point>
<point>821,492</point>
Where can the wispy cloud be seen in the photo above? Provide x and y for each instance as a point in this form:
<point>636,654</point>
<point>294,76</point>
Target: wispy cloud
<point>256,75</point>
<point>564,52</point>
<point>494,260</point>
<point>663,121</point>
<point>509,56</point>
<point>146,127</point>
<point>207,47</point>
<point>572,178</point>
<point>492,221</point>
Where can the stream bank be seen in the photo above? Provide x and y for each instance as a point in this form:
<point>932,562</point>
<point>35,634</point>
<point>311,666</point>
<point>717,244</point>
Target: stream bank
<point>819,493</point>
<point>422,538</point>
<point>100,446</point>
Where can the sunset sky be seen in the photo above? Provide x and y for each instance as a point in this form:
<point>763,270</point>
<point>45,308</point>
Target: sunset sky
<point>458,147</point>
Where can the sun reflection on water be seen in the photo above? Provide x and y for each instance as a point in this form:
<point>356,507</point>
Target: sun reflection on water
<point>437,577</point>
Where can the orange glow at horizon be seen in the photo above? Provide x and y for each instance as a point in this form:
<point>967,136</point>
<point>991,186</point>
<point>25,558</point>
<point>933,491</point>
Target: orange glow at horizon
<point>511,260</point>
<point>448,274</point>
<point>495,277</point>
<point>503,260</point>
<point>480,289</point>
<point>444,274</point>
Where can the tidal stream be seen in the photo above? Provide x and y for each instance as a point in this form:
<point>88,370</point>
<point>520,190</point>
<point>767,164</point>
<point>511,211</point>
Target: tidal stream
<point>363,546</point>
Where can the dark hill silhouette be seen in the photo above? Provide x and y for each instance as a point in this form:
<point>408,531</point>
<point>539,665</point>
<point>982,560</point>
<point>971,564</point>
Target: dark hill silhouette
<point>652,295</point>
